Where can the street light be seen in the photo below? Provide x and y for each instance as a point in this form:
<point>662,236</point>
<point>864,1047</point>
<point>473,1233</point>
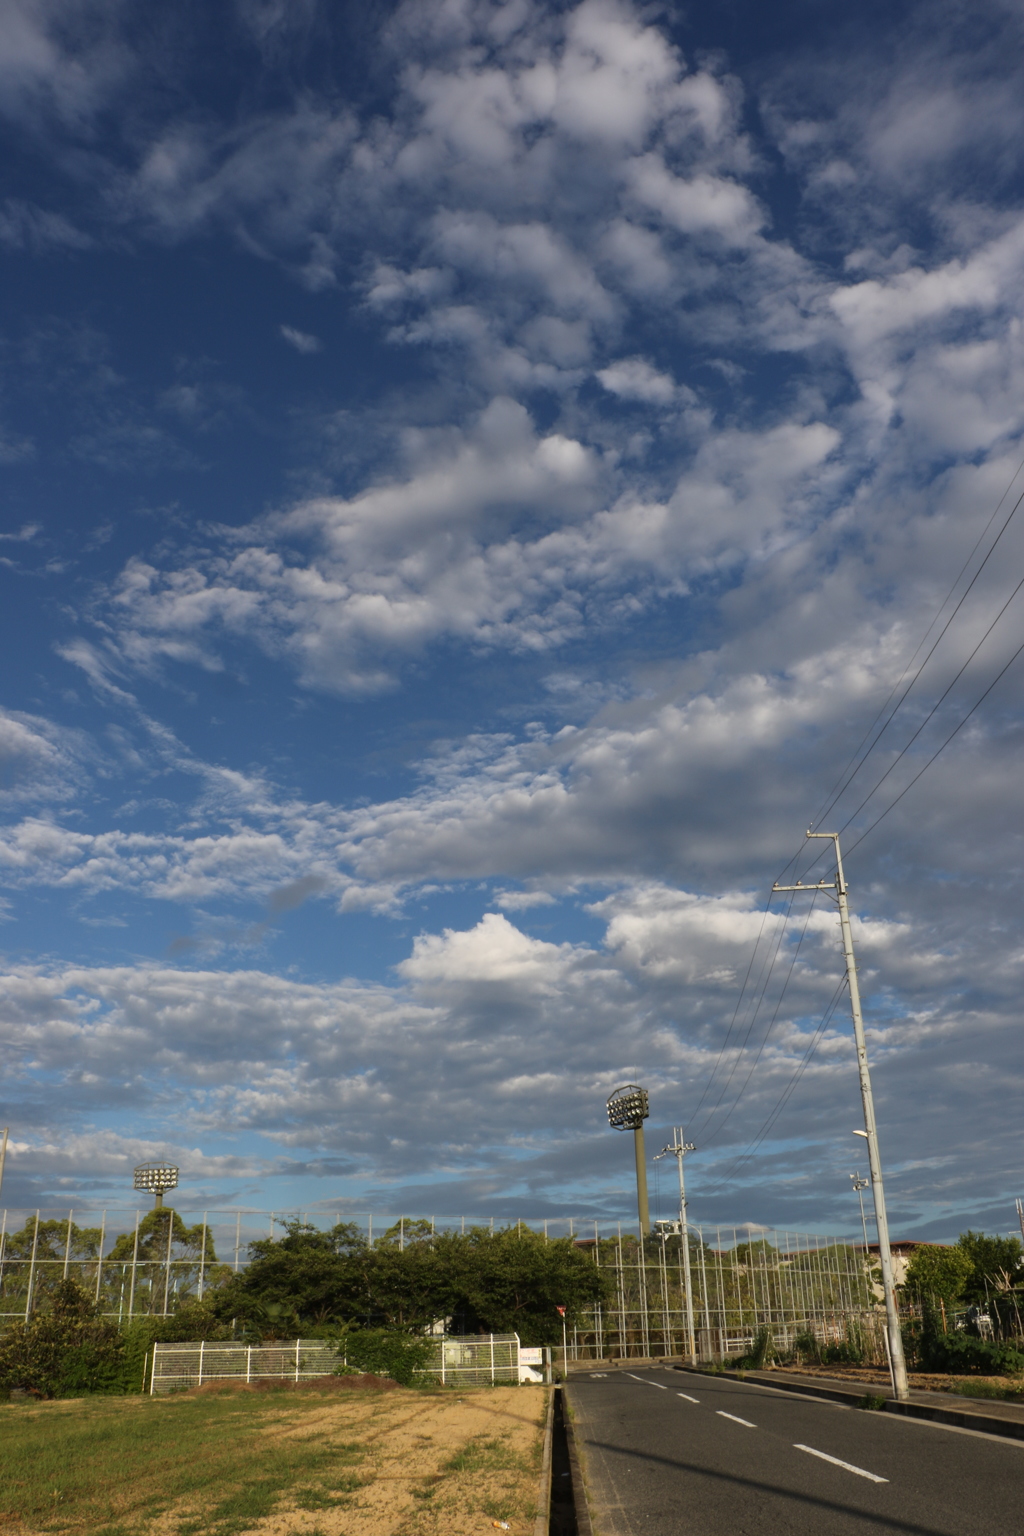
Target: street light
<point>628,1108</point>
<point>860,1185</point>
<point>156,1179</point>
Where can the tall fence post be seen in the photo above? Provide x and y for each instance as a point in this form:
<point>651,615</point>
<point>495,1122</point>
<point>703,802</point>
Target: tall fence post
<point>202,1346</point>
<point>167,1260</point>
<point>297,1343</point>
<point>67,1247</point>
<point>32,1269</point>
<point>202,1258</point>
<point>99,1261</point>
<point>135,1268</point>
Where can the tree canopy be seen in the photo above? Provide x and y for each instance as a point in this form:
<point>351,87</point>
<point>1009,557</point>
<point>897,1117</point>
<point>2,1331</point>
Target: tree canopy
<point>477,1282</point>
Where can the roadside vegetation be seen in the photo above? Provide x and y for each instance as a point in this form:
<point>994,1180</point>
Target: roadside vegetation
<point>375,1303</point>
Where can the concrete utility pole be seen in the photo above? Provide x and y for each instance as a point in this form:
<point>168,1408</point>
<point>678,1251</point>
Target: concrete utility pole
<point>679,1148</point>
<point>3,1157</point>
<point>899,1364</point>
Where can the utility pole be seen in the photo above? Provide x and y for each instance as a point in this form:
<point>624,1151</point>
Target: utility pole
<point>860,1185</point>
<point>679,1148</point>
<point>3,1157</point>
<point>899,1364</point>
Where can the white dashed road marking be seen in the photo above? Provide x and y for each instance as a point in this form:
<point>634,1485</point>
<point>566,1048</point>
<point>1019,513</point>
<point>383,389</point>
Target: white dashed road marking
<point>846,1465</point>
<point>688,1399</point>
<point>723,1415</point>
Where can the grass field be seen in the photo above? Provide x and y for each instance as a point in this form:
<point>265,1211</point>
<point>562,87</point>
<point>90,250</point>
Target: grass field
<point>401,1463</point>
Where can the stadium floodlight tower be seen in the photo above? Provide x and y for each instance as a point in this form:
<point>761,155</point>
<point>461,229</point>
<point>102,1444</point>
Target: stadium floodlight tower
<point>157,1178</point>
<point>628,1108</point>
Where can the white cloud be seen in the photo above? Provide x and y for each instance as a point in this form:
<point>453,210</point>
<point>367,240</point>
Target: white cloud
<point>633,378</point>
<point>301,340</point>
<point>24,226</point>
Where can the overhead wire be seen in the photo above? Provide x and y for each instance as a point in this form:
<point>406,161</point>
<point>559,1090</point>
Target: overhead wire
<point>764,1041</point>
<point>938,751</point>
<point>787,1092</point>
<point>736,1010</point>
<point>844,782</point>
<point>767,969</point>
<point>939,701</point>
<point>847,775</point>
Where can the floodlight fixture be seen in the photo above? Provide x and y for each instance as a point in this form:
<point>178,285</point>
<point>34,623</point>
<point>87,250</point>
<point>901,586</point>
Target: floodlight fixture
<point>628,1108</point>
<point>156,1179</point>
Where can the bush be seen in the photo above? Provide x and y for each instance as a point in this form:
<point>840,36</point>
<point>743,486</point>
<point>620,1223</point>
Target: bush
<point>384,1353</point>
<point>64,1352</point>
<point>962,1354</point>
<point>761,1353</point>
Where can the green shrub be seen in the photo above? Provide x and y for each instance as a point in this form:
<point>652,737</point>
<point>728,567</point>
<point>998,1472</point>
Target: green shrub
<point>383,1352</point>
<point>64,1352</point>
<point>962,1354</point>
<point>761,1353</point>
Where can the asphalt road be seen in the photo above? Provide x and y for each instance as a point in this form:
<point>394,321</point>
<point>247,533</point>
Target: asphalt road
<point>667,1453</point>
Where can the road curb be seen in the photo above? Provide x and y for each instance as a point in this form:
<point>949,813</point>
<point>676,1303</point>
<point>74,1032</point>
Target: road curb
<point>1009,1429</point>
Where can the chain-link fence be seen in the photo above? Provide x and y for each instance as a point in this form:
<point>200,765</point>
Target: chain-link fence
<point>742,1280</point>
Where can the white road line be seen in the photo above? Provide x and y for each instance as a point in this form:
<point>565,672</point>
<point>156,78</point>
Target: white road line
<point>637,1378</point>
<point>846,1465</point>
<point>688,1399</point>
<point>660,1384</point>
<point>723,1415</point>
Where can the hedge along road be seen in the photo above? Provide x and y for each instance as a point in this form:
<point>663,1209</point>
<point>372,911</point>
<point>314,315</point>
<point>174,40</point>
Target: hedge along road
<point>668,1453</point>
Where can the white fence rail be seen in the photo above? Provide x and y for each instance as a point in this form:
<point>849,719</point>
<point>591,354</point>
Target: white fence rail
<point>177,1367</point>
<point>475,1361</point>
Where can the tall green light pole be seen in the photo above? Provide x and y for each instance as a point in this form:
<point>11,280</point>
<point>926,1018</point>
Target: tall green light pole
<point>628,1108</point>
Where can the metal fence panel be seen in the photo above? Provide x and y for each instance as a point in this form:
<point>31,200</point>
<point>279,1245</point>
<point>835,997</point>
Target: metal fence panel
<point>177,1367</point>
<point>474,1361</point>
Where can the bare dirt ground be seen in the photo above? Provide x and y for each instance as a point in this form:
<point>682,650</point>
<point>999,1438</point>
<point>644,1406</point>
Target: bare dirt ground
<point>244,1462</point>
<point>426,1465</point>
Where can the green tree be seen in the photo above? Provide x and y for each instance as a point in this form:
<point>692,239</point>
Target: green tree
<point>54,1244</point>
<point>307,1277</point>
<point>514,1281</point>
<point>169,1257</point>
<point>992,1259</point>
<point>940,1272</point>
<point>63,1351</point>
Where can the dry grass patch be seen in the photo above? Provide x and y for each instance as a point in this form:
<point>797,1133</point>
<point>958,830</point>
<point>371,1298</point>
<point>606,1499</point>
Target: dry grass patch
<point>408,1463</point>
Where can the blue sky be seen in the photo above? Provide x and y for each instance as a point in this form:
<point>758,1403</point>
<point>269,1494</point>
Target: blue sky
<point>472,474</point>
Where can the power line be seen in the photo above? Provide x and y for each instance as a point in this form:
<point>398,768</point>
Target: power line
<point>766,972</point>
<point>956,730</point>
<point>760,1051</point>
<point>787,1092</point>
<point>940,700</point>
<point>844,781</point>
<point>736,1010</point>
